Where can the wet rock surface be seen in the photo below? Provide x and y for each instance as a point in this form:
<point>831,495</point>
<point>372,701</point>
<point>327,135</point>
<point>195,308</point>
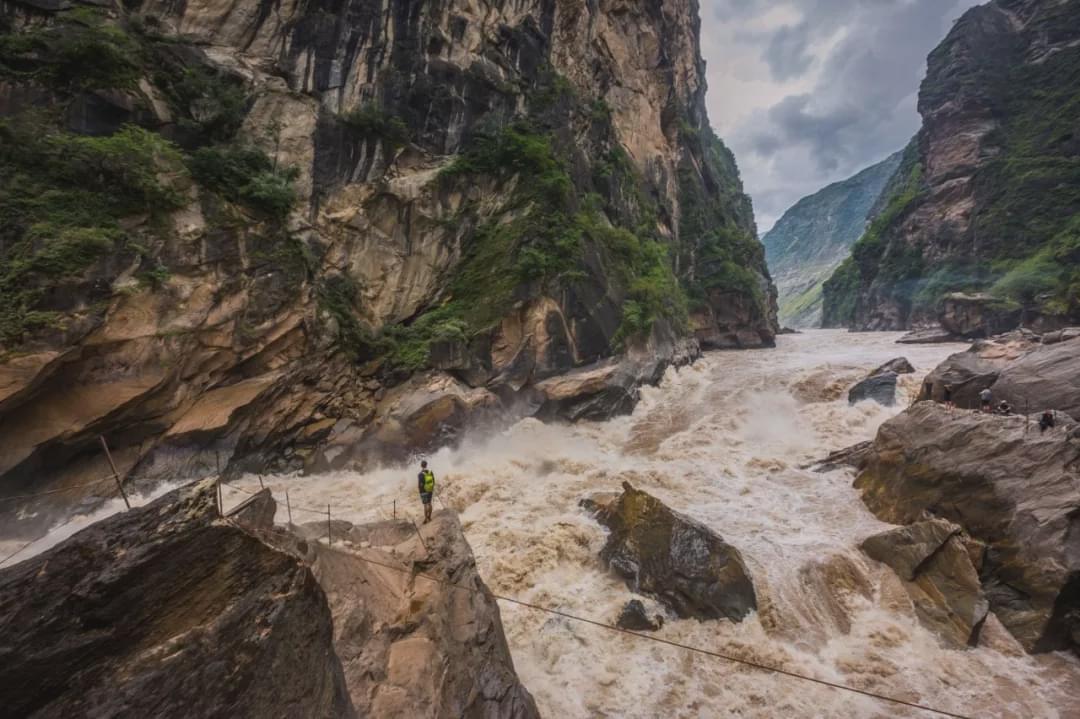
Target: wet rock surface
<point>880,388</point>
<point>634,617</point>
<point>167,611</point>
<point>681,562</point>
<point>1008,486</point>
<point>939,575</point>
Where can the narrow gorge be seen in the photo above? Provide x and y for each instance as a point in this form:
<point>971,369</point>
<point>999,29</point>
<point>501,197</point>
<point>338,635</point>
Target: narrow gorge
<point>242,239</point>
<point>420,358</point>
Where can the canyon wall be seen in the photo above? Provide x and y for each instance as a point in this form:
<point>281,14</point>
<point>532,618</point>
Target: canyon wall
<point>246,235</point>
<point>985,206</point>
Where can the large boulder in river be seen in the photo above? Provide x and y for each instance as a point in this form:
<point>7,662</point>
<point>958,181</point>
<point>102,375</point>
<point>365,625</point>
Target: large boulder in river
<point>417,630</point>
<point>1007,485</point>
<point>681,562</point>
<point>167,611</point>
<point>939,575</point>
<point>880,388</point>
<point>899,365</point>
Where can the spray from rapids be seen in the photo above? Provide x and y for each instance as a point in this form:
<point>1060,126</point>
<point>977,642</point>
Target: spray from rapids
<point>721,441</point>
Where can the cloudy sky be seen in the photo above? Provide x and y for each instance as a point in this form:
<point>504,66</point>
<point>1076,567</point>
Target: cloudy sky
<point>808,92</point>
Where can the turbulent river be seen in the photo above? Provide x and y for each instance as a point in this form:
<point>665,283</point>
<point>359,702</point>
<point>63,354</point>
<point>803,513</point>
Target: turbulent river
<point>722,441</point>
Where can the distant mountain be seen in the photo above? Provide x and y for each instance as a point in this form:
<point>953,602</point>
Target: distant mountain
<point>814,237</point>
<point>988,207</point>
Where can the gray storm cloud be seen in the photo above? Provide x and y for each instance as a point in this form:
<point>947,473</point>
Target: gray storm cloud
<point>808,92</point>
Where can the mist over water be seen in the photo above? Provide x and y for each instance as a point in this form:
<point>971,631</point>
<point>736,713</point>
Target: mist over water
<point>721,441</point>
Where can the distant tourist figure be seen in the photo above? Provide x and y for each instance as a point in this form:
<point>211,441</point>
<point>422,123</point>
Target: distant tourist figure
<point>949,404</point>
<point>1046,421</point>
<point>426,484</point>
<point>985,396</point>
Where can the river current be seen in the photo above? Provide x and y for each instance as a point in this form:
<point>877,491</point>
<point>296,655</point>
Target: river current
<point>722,441</point>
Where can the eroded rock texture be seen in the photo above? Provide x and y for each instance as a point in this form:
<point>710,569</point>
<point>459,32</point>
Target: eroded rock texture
<point>167,611</point>
<point>986,196</point>
<point>411,646</point>
<point>939,575</point>
<point>339,232</point>
<point>1010,487</point>
<point>681,562</point>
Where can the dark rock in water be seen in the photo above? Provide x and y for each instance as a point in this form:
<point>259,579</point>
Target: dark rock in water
<point>854,456</point>
<point>679,561</point>
<point>409,643</point>
<point>167,611</point>
<point>881,388</point>
<point>788,331</point>
<point>634,618</point>
<point>900,365</point>
<point>939,576</point>
<point>1010,487</point>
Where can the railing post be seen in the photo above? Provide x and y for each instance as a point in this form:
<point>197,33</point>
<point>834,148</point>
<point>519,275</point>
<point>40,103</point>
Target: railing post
<point>395,510</point>
<point>116,475</point>
<point>329,530</point>
<point>288,506</point>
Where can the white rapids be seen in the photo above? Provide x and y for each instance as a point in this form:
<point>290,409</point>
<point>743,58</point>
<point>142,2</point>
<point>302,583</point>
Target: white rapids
<point>721,441</point>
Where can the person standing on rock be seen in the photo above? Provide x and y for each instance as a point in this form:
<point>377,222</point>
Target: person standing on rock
<point>985,396</point>
<point>949,405</point>
<point>426,484</point>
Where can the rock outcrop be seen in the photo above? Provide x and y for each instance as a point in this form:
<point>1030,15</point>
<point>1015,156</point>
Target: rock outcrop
<point>681,562</point>
<point>167,611</point>
<point>1008,486</point>
<point>939,575</point>
<point>880,385</point>
<point>977,230</point>
<point>418,632</point>
<point>880,388</point>
<point>1030,376</point>
<point>813,237</point>
<point>634,618</point>
<point>297,231</point>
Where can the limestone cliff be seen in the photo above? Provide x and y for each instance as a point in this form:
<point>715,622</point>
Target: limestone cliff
<point>815,235</point>
<point>988,198</point>
<point>244,234</point>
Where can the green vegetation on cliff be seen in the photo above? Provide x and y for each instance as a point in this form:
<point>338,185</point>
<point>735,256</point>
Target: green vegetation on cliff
<point>62,199</point>
<point>815,235</point>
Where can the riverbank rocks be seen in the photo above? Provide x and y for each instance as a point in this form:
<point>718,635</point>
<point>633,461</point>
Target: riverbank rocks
<point>167,611</point>
<point>678,560</point>
<point>939,575</point>
<point>1009,486</point>
<point>1017,368</point>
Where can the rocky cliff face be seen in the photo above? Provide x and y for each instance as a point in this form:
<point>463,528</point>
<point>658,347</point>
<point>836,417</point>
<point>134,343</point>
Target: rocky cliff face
<point>988,197</point>
<point>814,237</point>
<point>242,236</point>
